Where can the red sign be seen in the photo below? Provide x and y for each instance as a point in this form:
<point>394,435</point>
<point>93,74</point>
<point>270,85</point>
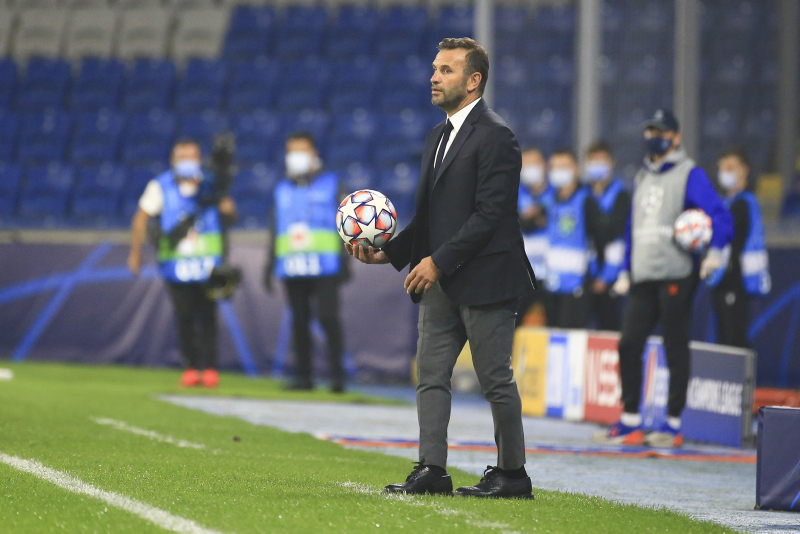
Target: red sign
<point>602,387</point>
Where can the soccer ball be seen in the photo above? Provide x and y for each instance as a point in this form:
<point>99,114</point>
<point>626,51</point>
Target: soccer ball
<point>366,218</point>
<point>693,230</point>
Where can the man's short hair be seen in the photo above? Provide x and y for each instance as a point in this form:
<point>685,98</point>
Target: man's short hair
<point>303,135</point>
<point>181,141</point>
<point>738,152</point>
<point>532,149</point>
<point>565,151</point>
<point>600,146</point>
<point>477,57</point>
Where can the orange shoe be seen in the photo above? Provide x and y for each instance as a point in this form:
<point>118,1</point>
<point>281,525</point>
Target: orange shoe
<point>190,378</point>
<point>210,378</point>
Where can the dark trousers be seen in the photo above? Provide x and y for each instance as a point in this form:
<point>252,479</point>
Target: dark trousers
<point>606,309</point>
<point>326,291</point>
<point>444,327</point>
<point>668,301</point>
<point>732,308</point>
<point>196,319</point>
<point>568,310</point>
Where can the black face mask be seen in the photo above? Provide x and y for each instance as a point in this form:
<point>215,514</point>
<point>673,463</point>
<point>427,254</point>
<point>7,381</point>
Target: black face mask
<point>657,145</point>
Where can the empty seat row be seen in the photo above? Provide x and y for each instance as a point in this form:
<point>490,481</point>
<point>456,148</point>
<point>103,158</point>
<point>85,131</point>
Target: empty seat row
<point>53,32</point>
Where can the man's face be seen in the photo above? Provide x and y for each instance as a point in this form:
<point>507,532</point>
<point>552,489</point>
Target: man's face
<point>301,145</point>
<point>600,158</point>
<point>184,152</point>
<point>674,137</point>
<point>562,161</point>
<point>301,158</point>
<point>734,167</point>
<point>449,80</point>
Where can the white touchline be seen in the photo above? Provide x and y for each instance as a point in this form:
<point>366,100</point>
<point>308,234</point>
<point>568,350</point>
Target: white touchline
<point>155,515</point>
<point>122,425</point>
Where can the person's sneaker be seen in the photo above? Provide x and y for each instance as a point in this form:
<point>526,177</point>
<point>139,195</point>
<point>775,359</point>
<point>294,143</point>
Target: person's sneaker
<point>190,378</point>
<point>620,434</point>
<point>210,378</point>
<point>664,436</point>
<point>424,479</point>
<point>496,483</point>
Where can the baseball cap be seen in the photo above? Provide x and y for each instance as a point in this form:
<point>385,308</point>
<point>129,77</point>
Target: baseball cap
<point>664,120</point>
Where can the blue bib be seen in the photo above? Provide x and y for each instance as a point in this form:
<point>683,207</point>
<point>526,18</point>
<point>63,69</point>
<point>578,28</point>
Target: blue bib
<point>535,241</point>
<point>567,254</point>
<point>306,241</point>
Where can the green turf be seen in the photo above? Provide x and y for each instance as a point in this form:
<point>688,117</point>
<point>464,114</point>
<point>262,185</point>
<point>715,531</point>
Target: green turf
<point>267,481</point>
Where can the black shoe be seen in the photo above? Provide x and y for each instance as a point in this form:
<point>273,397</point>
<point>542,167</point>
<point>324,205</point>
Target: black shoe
<point>423,480</point>
<point>496,484</point>
<point>300,384</point>
<point>337,387</point>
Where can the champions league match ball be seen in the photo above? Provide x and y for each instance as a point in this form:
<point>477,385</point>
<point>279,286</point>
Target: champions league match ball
<point>366,218</point>
<point>692,231</point>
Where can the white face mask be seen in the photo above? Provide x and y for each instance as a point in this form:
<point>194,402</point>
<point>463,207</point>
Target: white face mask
<point>597,171</point>
<point>531,175</point>
<point>727,179</point>
<point>187,168</point>
<point>561,177</point>
<point>299,163</point>
<point>188,188</point>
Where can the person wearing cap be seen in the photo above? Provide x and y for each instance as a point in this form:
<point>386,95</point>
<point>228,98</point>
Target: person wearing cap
<point>661,277</point>
<point>190,246</point>
<point>535,197</point>
<point>614,202</point>
<point>746,273</point>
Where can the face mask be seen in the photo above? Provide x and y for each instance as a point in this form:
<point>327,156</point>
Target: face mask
<point>188,188</point>
<point>727,179</point>
<point>531,175</point>
<point>597,171</point>
<point>298,163</point>
<point>658,146</point>
<point>187,168</point>
<point>561,177</point>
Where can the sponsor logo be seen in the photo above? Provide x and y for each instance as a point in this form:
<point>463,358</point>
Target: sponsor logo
<point>715,396</point>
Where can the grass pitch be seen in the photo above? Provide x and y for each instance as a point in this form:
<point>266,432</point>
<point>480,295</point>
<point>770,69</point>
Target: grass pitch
<point>267,480</point>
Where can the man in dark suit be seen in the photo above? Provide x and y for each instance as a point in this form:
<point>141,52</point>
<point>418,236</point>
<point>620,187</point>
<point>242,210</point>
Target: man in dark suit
<point>468,269</point>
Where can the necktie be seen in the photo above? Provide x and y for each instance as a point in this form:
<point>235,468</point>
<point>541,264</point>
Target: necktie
<point>443,146</point>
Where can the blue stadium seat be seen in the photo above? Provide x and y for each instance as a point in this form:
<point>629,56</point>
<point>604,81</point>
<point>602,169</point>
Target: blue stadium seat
<point>358,16</point>
<point>342,150</point>
<point>8,82</point>
<point>344,43</point>
<point>98,85</point>
<point>249,33</point>
<point>149,86</point>
<point>791,205</point>
<point>137,179</point>
<point>10,178</point>
<point>259,138</point>
<point>96,198</point>
<point>399,183</point>
<point>410,70</point>
<point>202,128</point>
<point>45,194</point>
<point>511,19</point>
<point>405,124</point>
<point>252,190</point>
<point>654,17</point>
<point>393,150</point>
<point>405,17</point>
<point>559,18</point>
<point>649,71</point>
<point>149,138</point>
<point>296,44</point>
<point>96,138</point>
<point>44,137</point>
<point>9,126</point>
<point>734,70</point>
<point>301,96</point>
<point>252,86</point>
<point>455,21</point>
<point>44,86</point>
<point>202,86</point>
<point>357,176</point>
<point>348,98</point>
<point>313,121</point>
<point>719,124</point>
<point>511,72</point>
<point>360,124</point>
<point>397,43</point>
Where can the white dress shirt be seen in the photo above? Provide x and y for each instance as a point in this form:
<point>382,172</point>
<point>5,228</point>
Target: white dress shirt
<point>456,120</point>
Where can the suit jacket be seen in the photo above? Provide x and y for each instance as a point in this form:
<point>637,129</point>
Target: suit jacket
<point>466,214</point>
